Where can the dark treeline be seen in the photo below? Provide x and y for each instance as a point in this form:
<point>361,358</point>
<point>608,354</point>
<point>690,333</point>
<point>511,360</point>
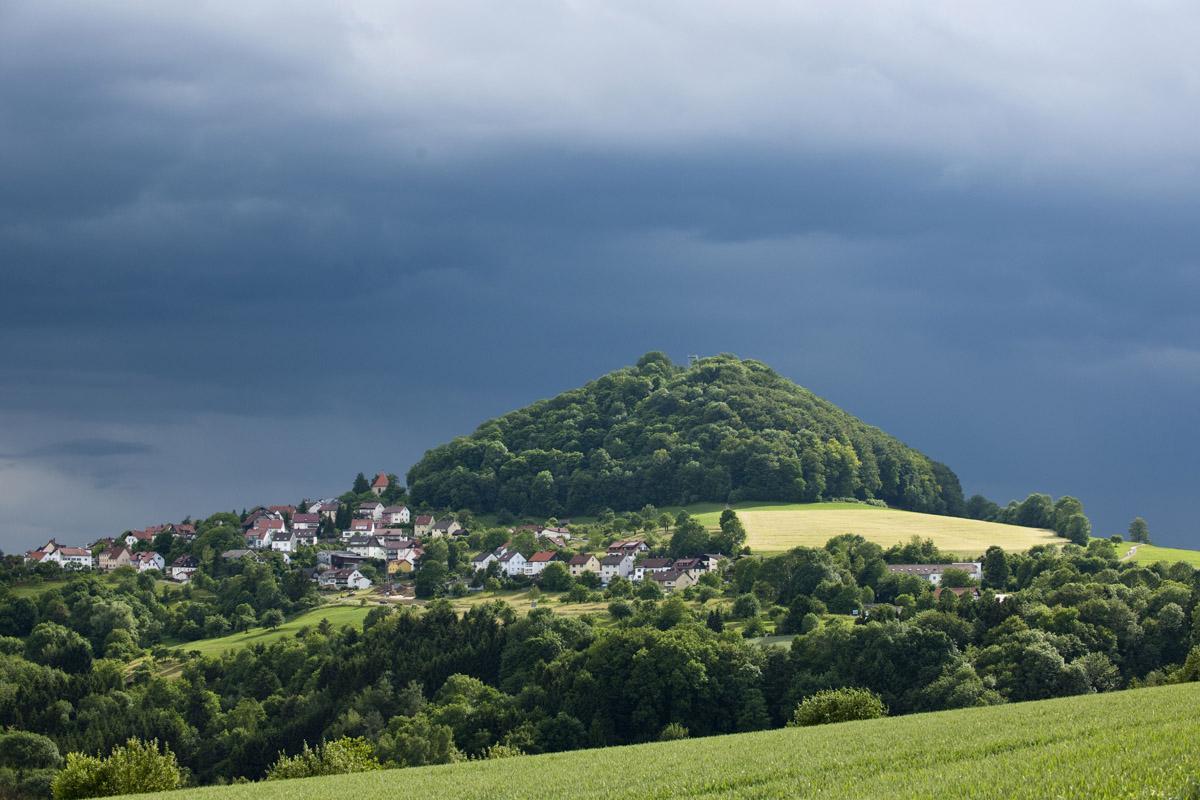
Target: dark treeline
<point>429,686</point>
<point>721,430</point>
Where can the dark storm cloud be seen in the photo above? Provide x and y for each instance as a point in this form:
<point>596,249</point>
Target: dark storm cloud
<point>281,248</point>
<point>86,448</point>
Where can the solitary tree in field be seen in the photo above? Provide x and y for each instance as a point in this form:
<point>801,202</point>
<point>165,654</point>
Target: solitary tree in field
<point>1139,531</point>
<point>272,618</point>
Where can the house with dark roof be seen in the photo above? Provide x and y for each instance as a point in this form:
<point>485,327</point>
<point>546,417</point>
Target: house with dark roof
<point>584,562</point>
<point>648,565</point>
<point>481,560</point>
<point>633,547</point>
<point>397,515</point>
<point>372,509</point>
<point>326,508</point>
<point>446,526</point>
<point>615,565</point>
<point>306,522</point>
<point>183,568</point>
<point>672,579</point>
<point>513,563</point>
<point>115,556</point>
<point>368,546</point>
<point>423,525</point>
<point>347,578</point>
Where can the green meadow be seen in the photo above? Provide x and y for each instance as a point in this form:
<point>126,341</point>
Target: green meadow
<point>1132,744</point>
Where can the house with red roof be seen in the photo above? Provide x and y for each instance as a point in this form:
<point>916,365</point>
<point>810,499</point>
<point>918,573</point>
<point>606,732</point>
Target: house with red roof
<point>538,561</point>
<point>380,484</point>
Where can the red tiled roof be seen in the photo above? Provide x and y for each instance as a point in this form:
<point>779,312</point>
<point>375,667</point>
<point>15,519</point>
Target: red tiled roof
<point>543,556</point>
<point>381,481</point>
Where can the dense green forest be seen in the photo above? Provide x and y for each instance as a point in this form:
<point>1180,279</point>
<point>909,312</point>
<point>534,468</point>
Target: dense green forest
<point>428,685</point>
<point>722,429</point>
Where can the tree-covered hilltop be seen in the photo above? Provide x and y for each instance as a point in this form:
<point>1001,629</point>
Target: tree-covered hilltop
<point>722,429</point>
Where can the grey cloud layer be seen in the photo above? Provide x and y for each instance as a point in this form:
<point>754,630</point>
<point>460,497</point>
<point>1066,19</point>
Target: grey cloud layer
<point>974,229</point>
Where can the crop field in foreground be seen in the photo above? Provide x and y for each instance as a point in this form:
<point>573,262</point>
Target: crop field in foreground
<point>1139,743</point>
<point>775,528</point>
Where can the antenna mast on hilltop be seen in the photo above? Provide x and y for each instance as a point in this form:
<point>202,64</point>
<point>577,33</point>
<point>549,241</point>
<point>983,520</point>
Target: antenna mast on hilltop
<point>692,360</point>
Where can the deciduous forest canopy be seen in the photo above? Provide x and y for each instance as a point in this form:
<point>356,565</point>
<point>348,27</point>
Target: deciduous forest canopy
<point>722,429</point>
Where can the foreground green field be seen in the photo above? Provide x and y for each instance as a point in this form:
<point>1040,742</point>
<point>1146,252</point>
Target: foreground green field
<point>775,528</point>
<point>1149,553</point>
<point>1123,745</point>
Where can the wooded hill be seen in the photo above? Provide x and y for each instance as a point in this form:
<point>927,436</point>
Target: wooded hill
<point>722,429</point>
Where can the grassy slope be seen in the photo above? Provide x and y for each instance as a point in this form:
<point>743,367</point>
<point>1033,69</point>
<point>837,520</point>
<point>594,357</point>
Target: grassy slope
<point>1149,553</point>
<point>1127,744</point>
<point>338,615</point>
<point>773,528</point>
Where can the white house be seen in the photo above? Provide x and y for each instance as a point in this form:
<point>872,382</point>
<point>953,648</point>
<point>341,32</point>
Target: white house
<point>513,563</point>
<point>933,572</point>
<point>66,557</point>
<point>633,547</point>
<point>615,565</point>
<point>150,560</point>
<point>393,545</point>
<point>348,578</point>
<point>557,533</point>
<point>397,515</point>
<point>75,558</point>
<point>363,525</point>
<point>286,543</point>
<point>373,510</point>
<point>642,569</point>
<point>184,567</point>
<point>423,524</point>
<point>480,562</point>
<point>306,522</point>
<point>538,561</point>
<point>368,546</point>
<point>305,538</point>
<point>259,538</point>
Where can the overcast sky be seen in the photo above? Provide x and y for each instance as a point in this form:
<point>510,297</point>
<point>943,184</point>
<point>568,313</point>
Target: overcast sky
<point>250,249</point>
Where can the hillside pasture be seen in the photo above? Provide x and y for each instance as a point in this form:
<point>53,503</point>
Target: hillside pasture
<point>1138,743</point>
<point>338,615</point>
<point>1150,553</point>
<point>776,528</point>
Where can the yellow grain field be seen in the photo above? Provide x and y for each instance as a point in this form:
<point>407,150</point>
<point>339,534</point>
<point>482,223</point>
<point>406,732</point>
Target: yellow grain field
<point>775,529</point>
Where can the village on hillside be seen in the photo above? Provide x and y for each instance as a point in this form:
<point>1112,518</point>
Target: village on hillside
<point>371,538</point>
